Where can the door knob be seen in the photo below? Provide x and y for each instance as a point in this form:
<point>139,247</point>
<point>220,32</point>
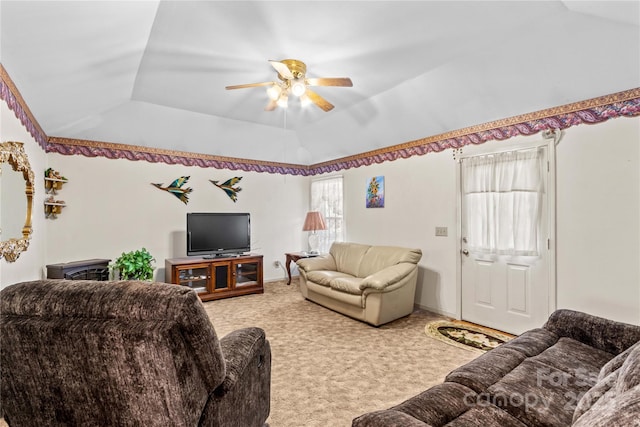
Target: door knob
<point>465,252</point>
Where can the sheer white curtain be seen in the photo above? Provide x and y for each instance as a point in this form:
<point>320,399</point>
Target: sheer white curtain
<point>502,195</point>
<point>327,198</point>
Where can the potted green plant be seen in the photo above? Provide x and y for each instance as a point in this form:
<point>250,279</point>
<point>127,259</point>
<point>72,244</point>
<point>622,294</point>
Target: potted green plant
<point>135,265</point>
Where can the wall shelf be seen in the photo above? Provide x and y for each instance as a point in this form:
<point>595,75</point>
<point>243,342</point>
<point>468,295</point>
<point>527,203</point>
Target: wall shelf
<point>53,182</point>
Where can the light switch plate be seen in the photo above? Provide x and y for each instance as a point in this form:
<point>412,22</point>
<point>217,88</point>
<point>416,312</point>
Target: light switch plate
<point>441,231</point>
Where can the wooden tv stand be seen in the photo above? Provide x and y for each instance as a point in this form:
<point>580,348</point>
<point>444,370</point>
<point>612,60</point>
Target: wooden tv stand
<point>216,278</point>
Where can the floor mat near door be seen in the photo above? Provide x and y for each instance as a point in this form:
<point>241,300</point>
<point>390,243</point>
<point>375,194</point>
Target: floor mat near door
<point>466,335</point>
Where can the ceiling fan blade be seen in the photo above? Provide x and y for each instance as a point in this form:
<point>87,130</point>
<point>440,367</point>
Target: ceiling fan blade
<point>282,69</point>
<point>319,101</point>
<point>250,85</point>
<point>330,81</point>
<point>271,106</point>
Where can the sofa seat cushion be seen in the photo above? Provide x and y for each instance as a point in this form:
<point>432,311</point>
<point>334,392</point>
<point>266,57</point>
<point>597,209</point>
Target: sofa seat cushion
<point>439,404</point>
<point>572,357</point>
<point>484,415</point>
<point>325,277</point>
<point>533,342</point>
<point>350,285</point>
<point>486,369</point>
<point>536,395</point>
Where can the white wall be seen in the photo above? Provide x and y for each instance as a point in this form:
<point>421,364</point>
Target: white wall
<point>598,219</point>
<point>29,265</point>
<point>113,208</point>
<point>420,194</point>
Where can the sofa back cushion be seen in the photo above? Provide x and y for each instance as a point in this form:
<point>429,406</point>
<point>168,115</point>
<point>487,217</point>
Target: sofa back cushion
<point>620,375</point>
<point>348,256</point>
<point>379,257</point>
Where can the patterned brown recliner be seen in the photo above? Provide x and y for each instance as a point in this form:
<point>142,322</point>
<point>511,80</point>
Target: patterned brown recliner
<point>128,354</point>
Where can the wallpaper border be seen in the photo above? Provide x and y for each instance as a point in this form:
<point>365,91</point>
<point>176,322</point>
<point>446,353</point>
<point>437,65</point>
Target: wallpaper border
<point>591,111</point>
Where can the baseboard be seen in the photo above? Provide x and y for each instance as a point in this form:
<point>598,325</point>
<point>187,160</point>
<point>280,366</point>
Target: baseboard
<point>437,311</point>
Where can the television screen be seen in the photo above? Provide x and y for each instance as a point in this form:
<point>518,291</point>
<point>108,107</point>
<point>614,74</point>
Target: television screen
<point>211,234</point>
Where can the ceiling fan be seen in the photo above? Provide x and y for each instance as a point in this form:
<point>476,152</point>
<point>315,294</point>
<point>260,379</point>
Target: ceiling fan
<point>293,81</point>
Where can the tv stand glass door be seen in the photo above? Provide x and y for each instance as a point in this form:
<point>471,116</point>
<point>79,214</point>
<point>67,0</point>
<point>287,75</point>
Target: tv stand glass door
<point>218,277</point>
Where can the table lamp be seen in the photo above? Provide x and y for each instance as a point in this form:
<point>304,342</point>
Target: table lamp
<point>313,222</point>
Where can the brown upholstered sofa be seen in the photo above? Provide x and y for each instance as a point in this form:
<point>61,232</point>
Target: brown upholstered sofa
<point>125,354</point>
<point>577,370</point>
<point>375,284</point>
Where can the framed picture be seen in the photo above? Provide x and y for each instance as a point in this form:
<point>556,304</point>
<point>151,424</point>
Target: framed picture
<point>375,192</point>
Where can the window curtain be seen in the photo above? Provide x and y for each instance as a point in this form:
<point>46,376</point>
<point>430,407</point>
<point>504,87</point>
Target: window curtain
<point>327,198</point>
<point>502,196</point>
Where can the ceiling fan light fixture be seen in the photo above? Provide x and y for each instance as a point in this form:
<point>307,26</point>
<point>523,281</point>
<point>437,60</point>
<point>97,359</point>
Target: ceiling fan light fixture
<point>298,88</point>
<point>283,101</point>
<point>274,92</point>
<point>305,100</point>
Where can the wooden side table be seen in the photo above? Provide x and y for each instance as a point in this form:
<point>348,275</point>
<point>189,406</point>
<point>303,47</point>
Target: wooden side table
<point>291,256</point>
<point>295,256</point>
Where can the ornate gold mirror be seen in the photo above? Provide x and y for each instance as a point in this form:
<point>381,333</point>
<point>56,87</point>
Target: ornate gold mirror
<point>16,200</point>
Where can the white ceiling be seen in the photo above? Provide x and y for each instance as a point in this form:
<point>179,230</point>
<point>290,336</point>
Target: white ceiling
<point>153,74</point>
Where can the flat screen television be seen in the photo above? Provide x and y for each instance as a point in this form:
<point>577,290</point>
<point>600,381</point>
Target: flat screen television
<point>212,234</point>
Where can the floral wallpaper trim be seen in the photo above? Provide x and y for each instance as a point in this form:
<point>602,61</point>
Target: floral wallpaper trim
<point>10,94</point>
<point>110,150</point>
<point>591,111</point>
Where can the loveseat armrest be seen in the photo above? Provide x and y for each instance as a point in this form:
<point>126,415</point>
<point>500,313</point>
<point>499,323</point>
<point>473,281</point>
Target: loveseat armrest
<point>604,334</point>
<point>322,262</point>
<point>388,276</point>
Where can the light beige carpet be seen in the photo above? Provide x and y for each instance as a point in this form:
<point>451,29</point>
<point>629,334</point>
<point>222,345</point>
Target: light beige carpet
<point>327,368</point>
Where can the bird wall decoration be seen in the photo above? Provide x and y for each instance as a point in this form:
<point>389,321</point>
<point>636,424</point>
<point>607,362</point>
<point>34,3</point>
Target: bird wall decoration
<point>228,187</point>
<point>176,189</point>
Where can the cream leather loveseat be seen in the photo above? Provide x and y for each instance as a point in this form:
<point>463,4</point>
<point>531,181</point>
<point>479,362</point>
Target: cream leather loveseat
<point>375,284</point>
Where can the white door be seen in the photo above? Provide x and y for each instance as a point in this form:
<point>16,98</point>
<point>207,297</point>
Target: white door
<point>505,244</point>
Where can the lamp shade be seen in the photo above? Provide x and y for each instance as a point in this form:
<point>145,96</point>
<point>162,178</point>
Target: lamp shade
<point>313,222</point>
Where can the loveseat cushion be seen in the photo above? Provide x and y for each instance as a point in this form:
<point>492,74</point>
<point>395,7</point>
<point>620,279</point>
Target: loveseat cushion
<point>377,258</point>
<point>350,285</point>
<point>324,277</point>
<point>348,256</point>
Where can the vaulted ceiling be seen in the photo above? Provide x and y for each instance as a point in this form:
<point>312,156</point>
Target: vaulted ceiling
<point>153,73</point>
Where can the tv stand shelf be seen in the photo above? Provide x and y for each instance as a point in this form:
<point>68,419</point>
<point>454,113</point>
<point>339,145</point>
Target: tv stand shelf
<point>219,277</point>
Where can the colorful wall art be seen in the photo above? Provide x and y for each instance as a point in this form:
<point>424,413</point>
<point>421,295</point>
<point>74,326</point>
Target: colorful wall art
<point>228,187</point>
<point>375,192</point>
<point>176,189</point>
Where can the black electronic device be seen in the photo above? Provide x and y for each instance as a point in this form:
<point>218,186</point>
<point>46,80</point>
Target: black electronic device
<point>212,234</point>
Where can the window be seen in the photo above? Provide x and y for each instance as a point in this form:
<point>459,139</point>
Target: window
<point>327,198</point>
<point>502,195</point>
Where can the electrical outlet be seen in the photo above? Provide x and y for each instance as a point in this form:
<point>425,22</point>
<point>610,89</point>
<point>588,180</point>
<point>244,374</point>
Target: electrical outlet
<point>276,264</point>
<point>441,231</point>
